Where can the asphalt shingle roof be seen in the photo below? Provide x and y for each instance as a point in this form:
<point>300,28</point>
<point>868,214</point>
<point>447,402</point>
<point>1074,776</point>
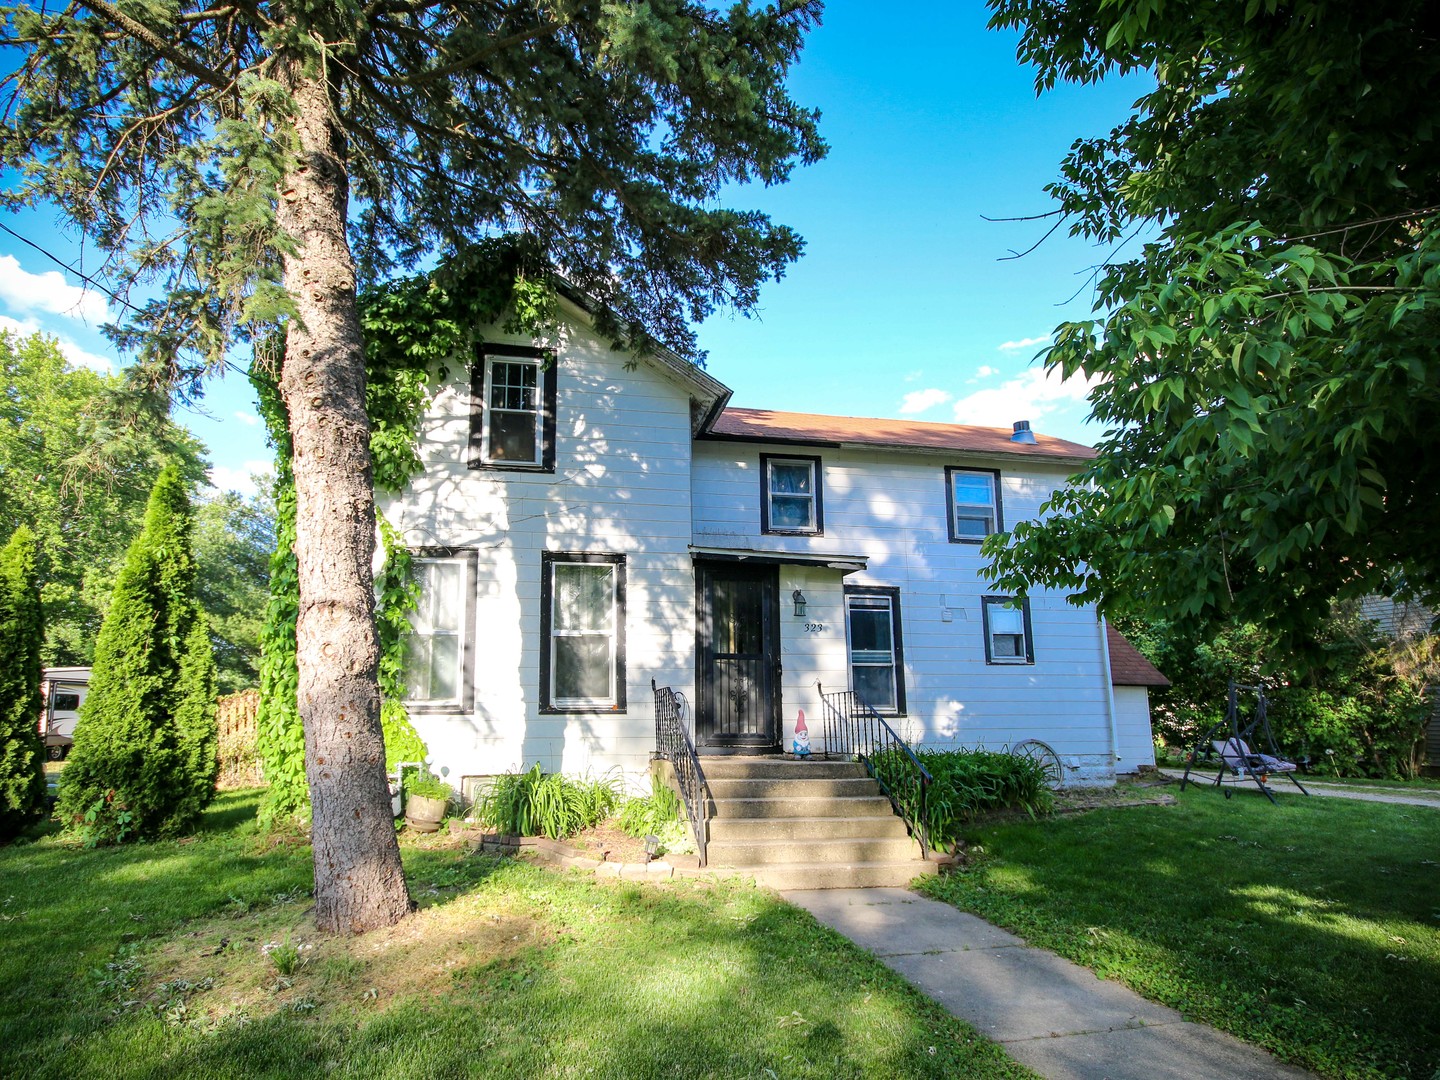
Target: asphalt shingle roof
<point>768,425</point>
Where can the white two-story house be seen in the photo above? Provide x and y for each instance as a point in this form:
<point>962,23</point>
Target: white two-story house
<point>587,522</point>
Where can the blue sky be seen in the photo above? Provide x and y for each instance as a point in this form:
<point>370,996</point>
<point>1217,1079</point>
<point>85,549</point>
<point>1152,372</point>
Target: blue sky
<point>903,304</point>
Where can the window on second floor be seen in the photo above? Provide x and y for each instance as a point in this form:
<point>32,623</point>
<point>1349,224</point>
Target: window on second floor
<point>790,497</point>
<point>973,496</point>
<point>512,420</point>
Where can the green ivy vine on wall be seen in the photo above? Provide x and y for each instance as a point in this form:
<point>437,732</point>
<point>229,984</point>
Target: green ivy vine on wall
<point>415,328</point>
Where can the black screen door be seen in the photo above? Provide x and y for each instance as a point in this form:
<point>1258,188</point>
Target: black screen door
<point>738,652</point>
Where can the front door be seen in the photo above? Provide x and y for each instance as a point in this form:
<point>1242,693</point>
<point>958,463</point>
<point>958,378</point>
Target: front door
<point>738,653</point>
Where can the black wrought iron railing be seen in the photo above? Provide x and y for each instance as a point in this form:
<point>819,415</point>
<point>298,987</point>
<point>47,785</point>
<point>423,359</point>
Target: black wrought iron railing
<point>853,729</point>
<point>673,743</point>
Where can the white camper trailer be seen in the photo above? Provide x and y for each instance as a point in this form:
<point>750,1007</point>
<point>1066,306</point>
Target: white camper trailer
<point>62,690</point>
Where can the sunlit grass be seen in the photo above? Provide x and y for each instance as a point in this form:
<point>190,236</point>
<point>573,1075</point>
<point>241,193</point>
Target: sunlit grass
<point>200,959</point>
<point>1311,928</point>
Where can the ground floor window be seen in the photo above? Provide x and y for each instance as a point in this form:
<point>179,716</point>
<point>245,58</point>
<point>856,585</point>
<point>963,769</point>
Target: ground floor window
<point>1008,639</point>
<point>438,663</point>
<point>877,662</point>
<point>583,626</point>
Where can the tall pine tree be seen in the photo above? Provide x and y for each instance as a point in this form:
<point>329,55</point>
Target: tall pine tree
<point>22,753</point>
<point>144,753</point>
<point>213,150</point>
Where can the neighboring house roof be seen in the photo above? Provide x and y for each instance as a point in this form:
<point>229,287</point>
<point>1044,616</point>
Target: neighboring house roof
<point>767,425</point>
<point>1127,666</point>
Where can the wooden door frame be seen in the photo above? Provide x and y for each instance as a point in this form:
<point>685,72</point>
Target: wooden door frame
<point>705,570</point>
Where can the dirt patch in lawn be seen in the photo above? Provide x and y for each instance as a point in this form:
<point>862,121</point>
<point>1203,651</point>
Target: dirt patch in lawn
<point>1149,789</point>
<point>258,964</point>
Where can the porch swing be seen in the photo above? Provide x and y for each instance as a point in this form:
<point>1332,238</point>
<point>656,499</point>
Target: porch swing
<point>1233,739</point>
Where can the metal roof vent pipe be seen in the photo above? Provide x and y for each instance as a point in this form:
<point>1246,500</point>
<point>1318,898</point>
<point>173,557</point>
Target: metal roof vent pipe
<point>1022,433</point>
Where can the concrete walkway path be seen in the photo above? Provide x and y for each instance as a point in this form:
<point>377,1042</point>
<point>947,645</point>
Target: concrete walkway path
<point>1054,1016</point>
<point>1281,786</point>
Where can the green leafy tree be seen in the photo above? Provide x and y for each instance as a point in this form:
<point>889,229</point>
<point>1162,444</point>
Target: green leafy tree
<point>234,538</point>
<point>22,752</point>
<point>143,763</point>
<point>1358,707</point>
<point>214,150</point>
<point>1267,362</point>
<point>79,453</point>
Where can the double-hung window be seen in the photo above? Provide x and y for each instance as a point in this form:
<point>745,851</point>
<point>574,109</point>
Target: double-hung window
<point>438,663</point>
<point>513,409</point>
<point>973,496</point>
<point>790,497</point>
<point>582,665</point>
<point>1008,639</point>
<point>877,660</point>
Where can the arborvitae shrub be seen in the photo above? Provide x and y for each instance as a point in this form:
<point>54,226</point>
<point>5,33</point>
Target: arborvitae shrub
<point>22,751</point>
<point>143,763</point>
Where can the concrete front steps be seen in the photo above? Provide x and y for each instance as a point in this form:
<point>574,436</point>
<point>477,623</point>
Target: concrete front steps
<point>806,825</point>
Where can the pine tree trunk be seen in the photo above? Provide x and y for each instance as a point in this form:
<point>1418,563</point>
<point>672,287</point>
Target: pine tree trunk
<point>359,882</point>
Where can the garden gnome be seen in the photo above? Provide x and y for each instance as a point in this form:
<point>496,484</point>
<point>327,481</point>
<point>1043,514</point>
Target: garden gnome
<point>802,737</point>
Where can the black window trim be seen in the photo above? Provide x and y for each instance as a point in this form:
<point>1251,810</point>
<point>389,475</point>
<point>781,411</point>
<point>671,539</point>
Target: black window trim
<point>986,602</point>
<point>548,385</point>
<point>471,557</point>
<point>896,623</point>
<point>950,471</point>
<point>548,559</point>
<point>818,476</point>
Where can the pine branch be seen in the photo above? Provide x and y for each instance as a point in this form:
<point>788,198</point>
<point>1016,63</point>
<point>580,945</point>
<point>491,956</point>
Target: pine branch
<point>143,33</point>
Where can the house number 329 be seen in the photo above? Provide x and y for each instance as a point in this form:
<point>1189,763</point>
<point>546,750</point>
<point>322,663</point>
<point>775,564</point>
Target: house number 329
<point>814,628</point>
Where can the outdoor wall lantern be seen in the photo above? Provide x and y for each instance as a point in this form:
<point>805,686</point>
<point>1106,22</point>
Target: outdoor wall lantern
<point>799,598</point>
<point>652,847</point>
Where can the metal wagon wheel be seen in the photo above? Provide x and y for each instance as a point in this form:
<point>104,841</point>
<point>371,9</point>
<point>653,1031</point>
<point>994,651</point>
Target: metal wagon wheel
<point>1044,755</point>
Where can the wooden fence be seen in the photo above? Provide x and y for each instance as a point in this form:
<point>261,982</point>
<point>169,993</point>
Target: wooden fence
<point>239,762</point>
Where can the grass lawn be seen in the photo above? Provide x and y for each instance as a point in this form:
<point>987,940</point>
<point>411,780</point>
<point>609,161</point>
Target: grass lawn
<point>199,959</point>
<point>1311,928</point>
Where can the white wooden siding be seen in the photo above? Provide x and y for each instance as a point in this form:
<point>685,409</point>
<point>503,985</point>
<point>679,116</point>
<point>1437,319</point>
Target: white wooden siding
<point>891,507</point>
<point>629,480</point>
<point>1132,722</point>
<point>621,485</point>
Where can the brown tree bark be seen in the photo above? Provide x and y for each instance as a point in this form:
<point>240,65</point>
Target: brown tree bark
<point>359,882</point>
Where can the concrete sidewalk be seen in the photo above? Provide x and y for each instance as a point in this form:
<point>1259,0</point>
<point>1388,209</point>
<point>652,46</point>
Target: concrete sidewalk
<point>1051,1015</point>
<point>1281,786</point>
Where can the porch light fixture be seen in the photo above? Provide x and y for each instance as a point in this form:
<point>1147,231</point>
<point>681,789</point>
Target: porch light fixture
<point>799,598</point>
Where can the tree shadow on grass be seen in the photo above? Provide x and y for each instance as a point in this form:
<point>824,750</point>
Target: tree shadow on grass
<point>617,980</point>
<point>632,981</point>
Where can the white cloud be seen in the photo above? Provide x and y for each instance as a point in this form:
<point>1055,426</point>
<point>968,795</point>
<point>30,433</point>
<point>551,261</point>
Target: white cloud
<point>73,353</point>
<point>984,371</point>
<point>1035,393</point>
<point>242,479</point>
<point>48,292</point>
<point>918,401</point>
<point>249,419</point>
<point>1023,343</point>
<point>913,376</point>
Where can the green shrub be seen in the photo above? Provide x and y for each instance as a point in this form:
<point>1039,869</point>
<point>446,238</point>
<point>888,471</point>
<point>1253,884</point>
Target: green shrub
<point>426,785</point>
<point>145,740</point>
<point>546,804</point>
<point>22,751</point>
<point>965,783</point>
<point>660,814</point>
